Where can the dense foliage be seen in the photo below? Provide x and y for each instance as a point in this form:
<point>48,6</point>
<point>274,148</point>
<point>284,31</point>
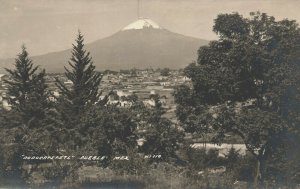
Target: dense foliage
<point>85,81</point>
<point>27,91</point>
<point>246,83</point>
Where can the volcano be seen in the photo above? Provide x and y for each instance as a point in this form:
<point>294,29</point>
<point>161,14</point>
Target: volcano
<point>142,44</point>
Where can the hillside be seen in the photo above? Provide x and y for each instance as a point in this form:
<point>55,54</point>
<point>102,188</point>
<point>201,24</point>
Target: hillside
<point>135,46</point>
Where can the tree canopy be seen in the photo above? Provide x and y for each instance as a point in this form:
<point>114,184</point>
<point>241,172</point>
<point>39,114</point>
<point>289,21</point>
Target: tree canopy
<point>246,83</point>
<point>27,91</point>
<point>85,80</point>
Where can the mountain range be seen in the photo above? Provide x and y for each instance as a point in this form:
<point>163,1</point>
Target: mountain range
<point>141,44</point>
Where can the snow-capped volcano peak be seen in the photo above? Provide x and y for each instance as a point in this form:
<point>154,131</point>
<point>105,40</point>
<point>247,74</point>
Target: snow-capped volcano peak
<point>142,23</point>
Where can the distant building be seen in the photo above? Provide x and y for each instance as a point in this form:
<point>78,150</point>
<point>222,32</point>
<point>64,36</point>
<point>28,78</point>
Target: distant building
<point>52,98</point>
<point>4,101</point>
<point>3,76</point>
<point>165,83</point>
<point>149,102</point>
<point>223,148</point>
<point>155,87</point>
<point>186,79</point>
<point>69,82</point>
<point>121,93</point>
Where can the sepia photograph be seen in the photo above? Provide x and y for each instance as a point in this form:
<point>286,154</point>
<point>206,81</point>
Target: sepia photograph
<point>149,94</point>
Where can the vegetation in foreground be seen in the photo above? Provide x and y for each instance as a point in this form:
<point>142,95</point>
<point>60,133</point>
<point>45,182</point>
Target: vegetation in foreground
<point>246,84</point>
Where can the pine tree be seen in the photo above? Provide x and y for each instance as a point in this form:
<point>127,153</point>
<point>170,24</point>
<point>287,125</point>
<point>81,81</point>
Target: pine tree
<point>84,90</point>
<point>27,90</point>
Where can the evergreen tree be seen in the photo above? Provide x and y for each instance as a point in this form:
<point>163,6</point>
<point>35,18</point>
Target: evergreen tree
<point>27,91</point>
<point>84,89</point>
<point>25,123</point>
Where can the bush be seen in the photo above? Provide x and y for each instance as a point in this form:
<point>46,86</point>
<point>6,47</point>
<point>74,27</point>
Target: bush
<point>244,168</point>
<point>135,165</point>
<point>199,159</point>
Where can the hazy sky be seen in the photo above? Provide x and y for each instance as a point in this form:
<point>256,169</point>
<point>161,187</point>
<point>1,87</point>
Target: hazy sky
<point>51,25</point>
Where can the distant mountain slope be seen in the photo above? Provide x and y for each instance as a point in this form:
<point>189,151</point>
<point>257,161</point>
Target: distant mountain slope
<point>142,44</point>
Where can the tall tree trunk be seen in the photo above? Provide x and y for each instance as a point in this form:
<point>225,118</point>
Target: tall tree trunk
<point>257,174</point>
<point>260,173</point>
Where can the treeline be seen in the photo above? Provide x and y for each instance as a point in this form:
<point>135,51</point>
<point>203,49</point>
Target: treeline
<point>244,84</point>
<point>79,122</point>
<point>247,84</point>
